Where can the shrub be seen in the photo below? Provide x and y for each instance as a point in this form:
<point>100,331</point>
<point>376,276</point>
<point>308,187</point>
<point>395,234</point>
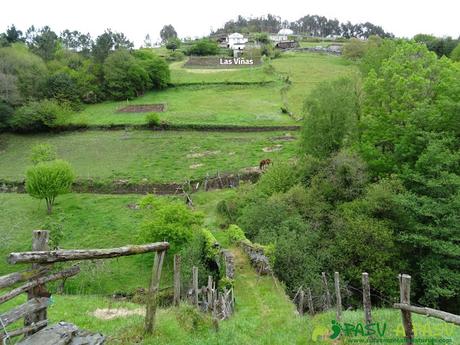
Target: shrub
<point>47,180</point>
<point>455,55</point>
<point>153,119</point>
<point>173,44</point>
<point>172,222</point>
<point>278,178</point>
<point>6,112</point>
<point>63,88</point>
<point>175,55</point>
<point>211,246</point>
<point>354,49</point>
<point>37,116</point>
<point>235,234</point>
<point>43,153</point>
<point>124,76</point>
<point>155,66</point>
<point>204,47</point>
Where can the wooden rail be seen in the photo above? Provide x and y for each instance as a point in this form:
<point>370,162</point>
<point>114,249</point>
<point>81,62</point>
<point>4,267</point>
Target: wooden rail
<point>52,256</point>
<point>34,311</point>
<point>438,314</point>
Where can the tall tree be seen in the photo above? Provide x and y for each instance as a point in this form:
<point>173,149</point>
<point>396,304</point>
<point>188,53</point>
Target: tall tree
<point>168,32</point>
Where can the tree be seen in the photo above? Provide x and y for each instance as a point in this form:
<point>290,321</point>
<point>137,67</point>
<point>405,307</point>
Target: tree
<point>173,44</point>
<point>107,42</point>
<point>168,32</point>
<point>63,88</point>
<point>124,76</point>
<point>455,55</point>
<point>204,47</point>
<point>13,35</point>
<point>155,66</point>
<point>47,180</point>
<point>332,112</point>
<point>43,42</point>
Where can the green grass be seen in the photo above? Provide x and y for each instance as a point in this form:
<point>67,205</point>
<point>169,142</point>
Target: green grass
<point>181,75</point>
<point>154,156</point>
<point>305,71</point>
<point>217,104</point>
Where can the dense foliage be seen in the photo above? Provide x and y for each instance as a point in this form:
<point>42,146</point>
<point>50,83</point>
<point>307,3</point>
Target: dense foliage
<point>376,186</point>
<point>49,179</point>
<point>39,68</point>
<point>204,47</point>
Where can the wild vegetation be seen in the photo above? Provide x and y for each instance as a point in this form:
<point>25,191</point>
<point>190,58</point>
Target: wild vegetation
<point>365,178</point>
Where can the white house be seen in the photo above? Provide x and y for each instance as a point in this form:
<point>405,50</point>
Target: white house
<point>236,41</point>
<point>282,35</point>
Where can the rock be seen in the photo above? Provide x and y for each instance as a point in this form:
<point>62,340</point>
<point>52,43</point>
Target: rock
<point>63,333</point>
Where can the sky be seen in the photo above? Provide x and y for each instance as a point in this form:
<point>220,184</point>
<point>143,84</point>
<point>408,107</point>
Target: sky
<point>194,18</point>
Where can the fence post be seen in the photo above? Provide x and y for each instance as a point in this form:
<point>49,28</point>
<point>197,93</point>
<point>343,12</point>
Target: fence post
<point>209,291</point>
<point>404,290</point>
<point>152,292</point>
<point>366,298</point>
<point>40,240</point>
<point>177,264</point>
<point>326,289</point>
<point>301,302</point>
<point>338,297</point>
<point>195,284</point>
<point>311,309</point>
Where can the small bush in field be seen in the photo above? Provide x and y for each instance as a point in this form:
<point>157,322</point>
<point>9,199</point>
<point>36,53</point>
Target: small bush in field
<point>153,119</point>
<point>235,233</point>
<point>43,153</point>
<point>47,180</point>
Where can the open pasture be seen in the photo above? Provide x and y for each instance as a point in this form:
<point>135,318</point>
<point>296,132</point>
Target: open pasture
<point>153,156</point>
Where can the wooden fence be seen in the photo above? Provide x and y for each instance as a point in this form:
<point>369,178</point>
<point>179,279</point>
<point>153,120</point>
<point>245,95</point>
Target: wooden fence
<point>34,311</point>
<point>219,302</point>
<point>304,296</point>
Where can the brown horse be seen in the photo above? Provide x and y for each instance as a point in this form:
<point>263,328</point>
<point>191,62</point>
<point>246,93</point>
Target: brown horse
<point>264,163</point>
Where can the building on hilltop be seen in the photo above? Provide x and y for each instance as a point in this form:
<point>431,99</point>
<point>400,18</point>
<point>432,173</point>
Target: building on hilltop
<point>282,35</point>
<point>236,41</point>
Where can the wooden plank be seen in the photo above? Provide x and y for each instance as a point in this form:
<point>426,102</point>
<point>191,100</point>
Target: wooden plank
<point>27,329</point>
<point>311,308</point>
<point>366,298</point>
<point>19,277</point>
<point>177,283</point>
<point>438,314</point>
<point>301,302</point>
<point>31,306</point>
<point>326,290</point>
<point>69,272</point>
<point>404,296</point>
<point>152,299</point>
<point>209,291</point>
<point>338,296</point>
<point>84,254</point>
<point>195,284</point>
<point>40,240</point>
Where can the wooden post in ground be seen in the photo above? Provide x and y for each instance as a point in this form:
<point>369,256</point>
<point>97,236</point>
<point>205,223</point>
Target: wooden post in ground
<point>40,240</point>
<point>338,296</point>
<point>209,291</point>
<point>195,285</point>
<point>366,298</point>
<point>326,290</point>
<point>153,291</point>
<point>311,309</point>
<point>177,262</point>
<point>404,291</point>
<point>301,302</point>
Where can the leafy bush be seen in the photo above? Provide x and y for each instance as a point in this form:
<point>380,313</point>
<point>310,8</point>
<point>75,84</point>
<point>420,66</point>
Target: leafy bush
<point>6,112</point>
<point>211,246</point>
<point>455,55</point>
<point>173,44</point>
<point>332,111</point>
<point>37,116</point>
<point>354,49</point>
<point>63,88</point>
<point>155,66</point>
<point>175,56</point>
<point>278,178</point>
<point>204,47</point>
<point>153,119</point>
<point>235,234</point>
<point>125,77</point>
<point>172,222</point>
<point>43,153</point>
<point>47,180</point>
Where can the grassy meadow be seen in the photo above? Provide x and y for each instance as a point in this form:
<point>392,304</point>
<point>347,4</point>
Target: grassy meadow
<point>154,156</point>
<point>305,71</point>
